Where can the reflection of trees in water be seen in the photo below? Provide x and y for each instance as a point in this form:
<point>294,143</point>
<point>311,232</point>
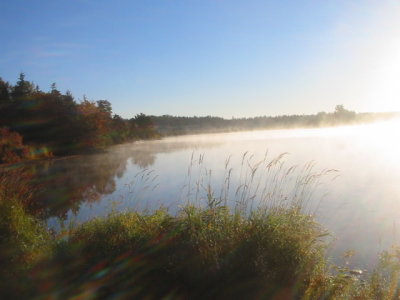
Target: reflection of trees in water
<point>64,184</point>
<point>144,154</point>
<point>143,159</point>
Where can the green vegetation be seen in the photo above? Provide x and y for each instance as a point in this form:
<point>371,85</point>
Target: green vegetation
<point>201,253</point>
<point>270,252</point>
<point>171,125</point>
<point>52,122</point>
<point>24,241</point>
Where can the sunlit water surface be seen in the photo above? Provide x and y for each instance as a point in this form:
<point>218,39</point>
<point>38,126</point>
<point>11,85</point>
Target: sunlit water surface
<point>361,207</point>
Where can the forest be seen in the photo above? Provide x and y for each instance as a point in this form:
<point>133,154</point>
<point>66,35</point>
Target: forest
<point>175,125</point>
<point>35,123</point>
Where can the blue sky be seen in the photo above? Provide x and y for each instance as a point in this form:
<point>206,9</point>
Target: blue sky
<point>222,57</point>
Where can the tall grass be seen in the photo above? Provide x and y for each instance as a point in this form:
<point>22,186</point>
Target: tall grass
<point>264,184</point>
<point>250,236</point>
<point>23,239</point>
<point>201,253</point>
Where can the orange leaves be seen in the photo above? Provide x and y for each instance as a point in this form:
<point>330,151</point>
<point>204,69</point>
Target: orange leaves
<point>12,149</point>
<point>95,124</point>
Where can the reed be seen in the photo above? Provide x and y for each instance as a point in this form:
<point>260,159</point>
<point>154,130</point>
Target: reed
<point>265,184</point>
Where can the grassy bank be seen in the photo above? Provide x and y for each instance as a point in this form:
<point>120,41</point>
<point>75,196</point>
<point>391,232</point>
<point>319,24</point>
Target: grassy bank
<point>212,252</point>
<point>201,253</point>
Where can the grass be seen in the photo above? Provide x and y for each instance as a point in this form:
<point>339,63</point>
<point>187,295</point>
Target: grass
<point>270,249</point>
<point>201,253</point>
<point>24,241</point>
<point>257,184</point>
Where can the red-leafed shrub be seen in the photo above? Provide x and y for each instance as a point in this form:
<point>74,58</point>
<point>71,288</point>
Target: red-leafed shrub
<point>12,149</point>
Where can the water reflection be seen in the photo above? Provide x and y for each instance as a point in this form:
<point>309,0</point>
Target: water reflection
<point>64,184</point>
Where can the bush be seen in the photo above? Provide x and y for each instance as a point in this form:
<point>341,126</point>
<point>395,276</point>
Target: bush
<point>12,149</point>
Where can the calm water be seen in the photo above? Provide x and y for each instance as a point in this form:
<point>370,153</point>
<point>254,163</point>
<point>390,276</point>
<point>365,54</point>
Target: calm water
<point>361,207</point>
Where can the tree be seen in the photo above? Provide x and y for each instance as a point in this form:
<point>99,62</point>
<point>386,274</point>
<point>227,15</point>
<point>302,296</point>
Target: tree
<point>54,90</point>
<point>5,90</point>
<point>94,124</point>
<point>339,109</point>
<point>120,129</point>
<point>343,115</point>
<point>5,101</point>
<point>143,121</point>
<point>105,106</point>
<point>23,88</point>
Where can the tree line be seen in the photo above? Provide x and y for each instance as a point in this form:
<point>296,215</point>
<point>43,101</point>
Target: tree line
<point>171,125</point>
<point>56,122</point>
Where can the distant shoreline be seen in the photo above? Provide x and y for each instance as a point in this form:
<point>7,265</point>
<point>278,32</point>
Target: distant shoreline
<point>165,125</point>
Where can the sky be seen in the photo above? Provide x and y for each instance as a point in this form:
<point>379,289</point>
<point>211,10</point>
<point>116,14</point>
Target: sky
<point>226,58</point>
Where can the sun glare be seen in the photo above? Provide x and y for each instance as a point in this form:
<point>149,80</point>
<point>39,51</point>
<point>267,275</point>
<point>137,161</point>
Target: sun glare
<point>384,89</point>
<point>381,138</point>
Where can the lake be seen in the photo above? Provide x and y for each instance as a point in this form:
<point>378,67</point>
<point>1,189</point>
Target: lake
<point>355,192</point>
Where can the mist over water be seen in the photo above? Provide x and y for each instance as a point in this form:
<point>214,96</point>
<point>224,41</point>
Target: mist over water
<point>361,207</point>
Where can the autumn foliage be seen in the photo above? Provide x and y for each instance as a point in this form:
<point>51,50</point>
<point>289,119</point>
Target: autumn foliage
<point>11,147</point>
<point>56,122</point>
